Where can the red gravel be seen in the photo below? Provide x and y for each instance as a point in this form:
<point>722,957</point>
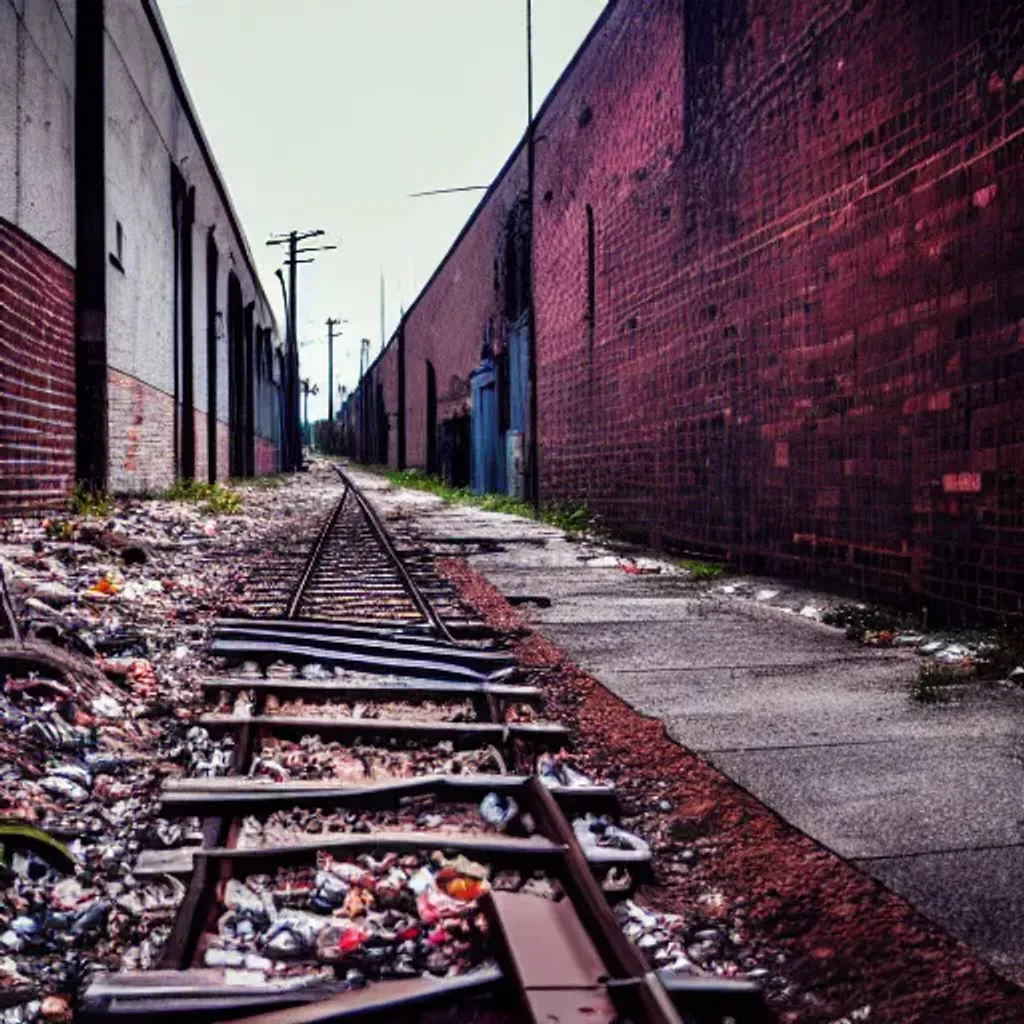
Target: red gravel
<point>833,939</point>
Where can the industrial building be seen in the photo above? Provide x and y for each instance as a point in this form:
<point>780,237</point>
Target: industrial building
<point>136,343</point>
<point>772,252</point>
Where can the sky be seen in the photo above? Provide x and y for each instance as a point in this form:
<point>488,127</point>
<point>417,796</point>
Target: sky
<point>328,113</point>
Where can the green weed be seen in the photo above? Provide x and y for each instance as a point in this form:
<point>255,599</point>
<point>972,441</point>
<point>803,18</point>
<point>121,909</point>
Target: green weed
<point>573,517</point>
<point>214,499</point>
<point>934,680</point>
<point>90,503</point>
<point>704,572</point>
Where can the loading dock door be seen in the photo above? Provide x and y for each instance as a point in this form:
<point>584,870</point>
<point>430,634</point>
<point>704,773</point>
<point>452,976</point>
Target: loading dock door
<point>518,384</point>
<point>488,458</point>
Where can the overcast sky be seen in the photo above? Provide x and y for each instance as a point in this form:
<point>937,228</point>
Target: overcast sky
<point>328,113</point>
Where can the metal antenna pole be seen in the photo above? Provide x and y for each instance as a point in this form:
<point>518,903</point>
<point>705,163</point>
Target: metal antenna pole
<point>331,321</point>
<point>292,392</point>
<point>531,167</point>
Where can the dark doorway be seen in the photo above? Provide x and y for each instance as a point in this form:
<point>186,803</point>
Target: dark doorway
<point>211,357</point>
<point>431,419</point>
<point>454,451</point>
<point>248,401</point>
<point>236,377</point>
<point>187,468</point>
<point>383,427</point>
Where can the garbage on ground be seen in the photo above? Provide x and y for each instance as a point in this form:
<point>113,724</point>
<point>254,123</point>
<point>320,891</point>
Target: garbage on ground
<point>96,712</point>
<point>421,813</point>
<point>555,770</point>
<point>400,915</point>
<point>312,757</point>
<point>600,833</point>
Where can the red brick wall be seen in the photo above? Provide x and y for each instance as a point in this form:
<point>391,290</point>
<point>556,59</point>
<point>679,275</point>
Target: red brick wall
<point>806,351</point>
<point>223,451</point>
<point>141,424</point>
<point>37,382</point>
<point>266,456</point>
<point>448,323</point>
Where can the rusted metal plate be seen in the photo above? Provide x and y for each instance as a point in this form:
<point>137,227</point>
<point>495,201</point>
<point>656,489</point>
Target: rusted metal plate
<point>548,944</point>
<point>567,1006</point>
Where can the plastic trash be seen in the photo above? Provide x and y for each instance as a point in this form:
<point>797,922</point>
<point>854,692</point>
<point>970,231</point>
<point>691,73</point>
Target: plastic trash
<point>499,812</point>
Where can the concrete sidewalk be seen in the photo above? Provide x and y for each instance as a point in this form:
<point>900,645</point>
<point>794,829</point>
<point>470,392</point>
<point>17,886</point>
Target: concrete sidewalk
<point>927,798</point>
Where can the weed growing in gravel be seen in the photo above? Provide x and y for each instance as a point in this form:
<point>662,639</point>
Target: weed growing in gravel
<point>216,500</point>
<point>90,503</point>
<point>573,517</point>
<point>704,572</point>
<point>934,681</point>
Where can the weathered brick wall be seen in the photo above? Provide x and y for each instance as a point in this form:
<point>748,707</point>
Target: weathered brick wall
<point>223,451</point>
<point>807,348</point>
<point>448,323</point>
<point>37,367</point>
<point>141,419</point>
<point>266,456</point>
<point>800,344</point>
<point>202,422</point>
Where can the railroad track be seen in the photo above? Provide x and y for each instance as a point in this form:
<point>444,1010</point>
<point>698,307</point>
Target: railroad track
<point>394,828</point>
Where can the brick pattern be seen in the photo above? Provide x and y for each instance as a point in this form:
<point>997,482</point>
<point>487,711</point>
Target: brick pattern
<point>805,349</point>
<point>266,456</point>
<point>202,461</point>
<point>223,451</point>
<point>141,436</point>
<point>37,382</point>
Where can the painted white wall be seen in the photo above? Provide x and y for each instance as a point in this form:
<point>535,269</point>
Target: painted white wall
<point>147,129</point>
<point>37,80</point>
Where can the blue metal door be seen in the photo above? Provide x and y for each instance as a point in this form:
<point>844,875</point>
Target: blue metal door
<point>518,407</point>
<point>486,476</point>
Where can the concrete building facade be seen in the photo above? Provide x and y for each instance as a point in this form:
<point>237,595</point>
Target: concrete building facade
<point>37,252</point>
<point>777,278</point>
<point>137,343</point>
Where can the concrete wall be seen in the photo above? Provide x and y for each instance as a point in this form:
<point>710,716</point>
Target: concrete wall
<point>149,129</point>
<point>37,80</point>
<point>37,253</point>
<point>805,350</point>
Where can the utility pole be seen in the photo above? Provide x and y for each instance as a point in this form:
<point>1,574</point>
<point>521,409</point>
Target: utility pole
<point>307,390</point>
<point>331,321</point>
<point>293,459</point>
<point>382,309</point>
<point>531,171</point>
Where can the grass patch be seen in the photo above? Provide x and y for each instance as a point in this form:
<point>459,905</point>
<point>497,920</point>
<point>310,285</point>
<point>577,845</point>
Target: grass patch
<point>934,681</point>
<point>704,572</point>
<point>90,503</point>
<point>214,499</point>
<point>572,517</point>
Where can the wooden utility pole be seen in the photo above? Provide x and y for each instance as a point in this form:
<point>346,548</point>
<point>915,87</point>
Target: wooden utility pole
<point>292,424</point>
<point>331,321</point>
